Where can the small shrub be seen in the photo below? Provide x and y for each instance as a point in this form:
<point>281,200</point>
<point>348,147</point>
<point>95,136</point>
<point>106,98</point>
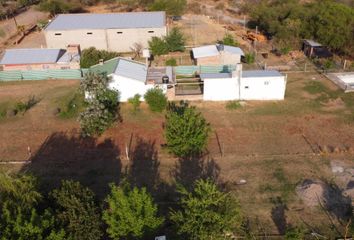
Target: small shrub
<point>229,40</point>
<point>328,64</point>
<point>156,99</point>
<point>135,101</point>
<point>250,58</point>
<point>22,107</point>
<point>285,50</point>
<point>233,105</point>
<point>91,56</point>
<point>158,46</point>
<point>171,62</point>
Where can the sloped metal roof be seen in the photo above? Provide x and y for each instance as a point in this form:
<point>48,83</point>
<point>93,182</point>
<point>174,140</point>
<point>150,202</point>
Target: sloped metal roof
<point>31,56</point>
<point>313,43</point>
<point>233,50</point>
<point>205,51</point>
<point>107,21</point>
<point>131,69</point>
<point>261,73</point>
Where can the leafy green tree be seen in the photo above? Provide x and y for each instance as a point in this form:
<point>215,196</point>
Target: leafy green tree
<point>102,104</point>
<point>131,213</point>
<point>135,101</point>
<point>206,213</point>
<point>229,40</point>
<point>91,56</point>
<point>175,40</point>
<point>250,58</point>
<point>77,211</point>
<point>186,130</point>
<point>171,62</point>
<point>19,217</point>
<point>171,7</point>
<point>158,46</point>
<point>156,99</point>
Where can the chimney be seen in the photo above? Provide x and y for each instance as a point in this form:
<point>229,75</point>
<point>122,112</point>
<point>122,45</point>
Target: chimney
<point>73,49</point>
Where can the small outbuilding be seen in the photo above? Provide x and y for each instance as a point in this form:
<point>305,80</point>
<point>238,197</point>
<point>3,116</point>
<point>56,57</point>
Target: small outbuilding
<point>315,49</point>
<point>244,85</point>
<point>218,54</point>
<point>41,59</point>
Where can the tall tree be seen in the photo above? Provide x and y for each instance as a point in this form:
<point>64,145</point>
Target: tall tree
<point>206,213</point>
<point>19,217</point>
<point>186,130</point>
<point>77,211</point>
<point>175,40</point>
<point>131,213</point>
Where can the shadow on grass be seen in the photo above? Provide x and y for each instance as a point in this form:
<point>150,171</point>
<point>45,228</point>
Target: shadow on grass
<point>63,157</point>
<point>278,214</point>
<point>187,170</point>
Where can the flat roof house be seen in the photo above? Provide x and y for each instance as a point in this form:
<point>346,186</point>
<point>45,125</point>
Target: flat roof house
<point>41,59</point>
<point>109,31</point>
<point>218,54</point>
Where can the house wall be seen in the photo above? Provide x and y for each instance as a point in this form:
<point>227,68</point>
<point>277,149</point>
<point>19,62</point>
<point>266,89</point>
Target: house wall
<point>205,61</point>
<point>128,87</point>
<point>263,88</point>
<point>230,58</point>
<point>25,67</point>
<point>119,40</point>
<point>222,89</point>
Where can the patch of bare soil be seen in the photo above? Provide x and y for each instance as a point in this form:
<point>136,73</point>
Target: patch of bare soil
<point>334,104</point>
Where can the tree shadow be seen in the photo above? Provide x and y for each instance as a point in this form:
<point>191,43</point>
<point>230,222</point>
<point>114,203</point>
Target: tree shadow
<point>189,169</point>
<point>64,157</point>
<point>143,168</point>
<point>278,214</point>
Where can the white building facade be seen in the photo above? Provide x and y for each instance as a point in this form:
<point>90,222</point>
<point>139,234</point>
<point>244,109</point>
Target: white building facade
<point>112,31</point>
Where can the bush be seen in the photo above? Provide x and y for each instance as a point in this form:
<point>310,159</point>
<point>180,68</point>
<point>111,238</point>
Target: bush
<point>22,107</point>
<point>158,46</point>
<point>135,101</point>
<point>55,7</point>
<point>233,105</point>
<point>102,105</point>
<point>186,130</point>
<point>91,56</point>
<point>175,40</point>
<point>285,50</point>
<point>171,7</point>
<point>229,40</point>
<point>171,62</point>
<point>156,99</point>
<point>250,58</point>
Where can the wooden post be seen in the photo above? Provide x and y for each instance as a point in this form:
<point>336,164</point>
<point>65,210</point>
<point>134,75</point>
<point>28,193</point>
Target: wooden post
<point>305,67</point>
<point>345,64</point>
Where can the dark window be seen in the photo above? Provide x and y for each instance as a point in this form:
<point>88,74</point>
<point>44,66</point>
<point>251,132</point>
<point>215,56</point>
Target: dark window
<point>57,34</point>
<point>89,33</point>
<point>266,83</point>
<point>150,31</point>
<point>119,32</point>
<point>246,87</point>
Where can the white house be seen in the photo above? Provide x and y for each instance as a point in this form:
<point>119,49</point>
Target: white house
<point>218,54</point>
<point>130,77</point>
<point>244,85</point>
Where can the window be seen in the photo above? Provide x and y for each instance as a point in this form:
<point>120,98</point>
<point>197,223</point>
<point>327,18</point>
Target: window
<point>246,87</point>
<point>119,32</point>
<point>151,31</point>
<point>89,33</point>
<point>57,34</point>
<point>266,83</point>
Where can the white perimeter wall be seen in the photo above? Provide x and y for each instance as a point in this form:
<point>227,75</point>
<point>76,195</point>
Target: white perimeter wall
<point>128,87</point>
<point>263,88</point>
<point>222,89</point>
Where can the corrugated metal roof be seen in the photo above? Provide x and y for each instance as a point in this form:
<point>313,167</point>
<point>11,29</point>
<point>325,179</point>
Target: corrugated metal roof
<point>261,73</point>
<point>313,43</point>
<point>131,69</point>
<point>205,51</point>
<point>215,75</point>
<point>108,66</point>
<point>234,50</point>
<point>107,21</point>
<point>31,56</point>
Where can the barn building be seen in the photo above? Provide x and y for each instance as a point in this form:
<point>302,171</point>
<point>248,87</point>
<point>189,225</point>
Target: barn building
<point>109,31</point>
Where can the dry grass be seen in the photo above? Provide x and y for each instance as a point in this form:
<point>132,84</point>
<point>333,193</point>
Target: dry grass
<point>261,142</point>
